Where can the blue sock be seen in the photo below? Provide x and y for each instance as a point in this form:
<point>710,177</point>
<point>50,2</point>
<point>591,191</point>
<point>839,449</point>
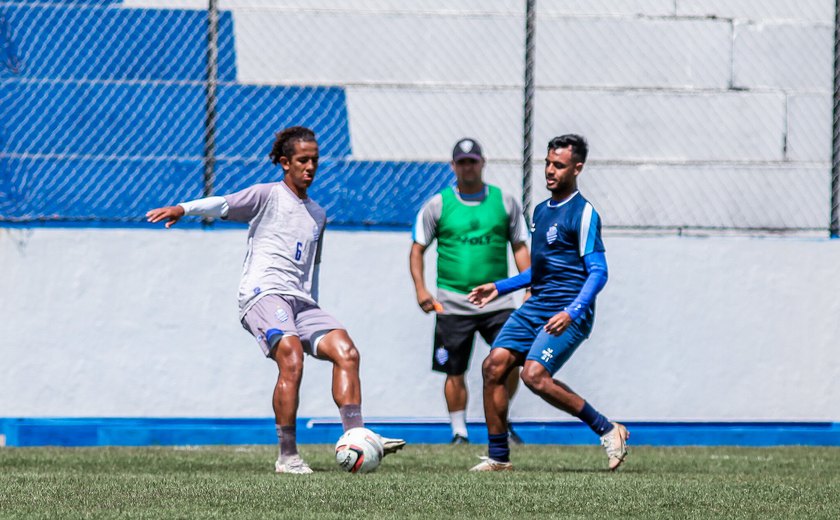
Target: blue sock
<point>499,449</point>
<point>595,420</point>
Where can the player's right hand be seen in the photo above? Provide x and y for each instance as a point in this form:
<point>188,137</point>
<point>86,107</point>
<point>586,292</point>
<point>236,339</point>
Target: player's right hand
<point>171,214</point>
<point>483,294</point>
<point>427,302</point>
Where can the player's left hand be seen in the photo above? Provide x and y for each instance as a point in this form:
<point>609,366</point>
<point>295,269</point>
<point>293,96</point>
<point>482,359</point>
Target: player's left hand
<point>558,323</point>
<point>483,294</point>
<point>171,214</point>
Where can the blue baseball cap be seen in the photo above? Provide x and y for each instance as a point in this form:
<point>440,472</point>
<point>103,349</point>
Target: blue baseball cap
<point>467,148</point>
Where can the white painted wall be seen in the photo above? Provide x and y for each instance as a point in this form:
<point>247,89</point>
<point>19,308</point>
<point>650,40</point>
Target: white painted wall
<point>99,322</point>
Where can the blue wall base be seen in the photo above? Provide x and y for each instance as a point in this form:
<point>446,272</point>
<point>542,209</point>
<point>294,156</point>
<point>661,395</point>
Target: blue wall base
<point>205,431</point>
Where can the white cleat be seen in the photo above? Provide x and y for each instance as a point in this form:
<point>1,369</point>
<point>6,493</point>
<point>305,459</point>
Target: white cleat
<point>615,443</point>
<point>294,465</point>
<point>390,446</point>
<point>488,464</point>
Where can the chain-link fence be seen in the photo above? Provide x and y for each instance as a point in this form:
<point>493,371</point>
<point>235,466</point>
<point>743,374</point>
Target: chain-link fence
<point>701,114</point>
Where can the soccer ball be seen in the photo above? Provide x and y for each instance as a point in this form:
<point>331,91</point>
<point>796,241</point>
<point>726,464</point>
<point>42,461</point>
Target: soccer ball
<point>359,450</point>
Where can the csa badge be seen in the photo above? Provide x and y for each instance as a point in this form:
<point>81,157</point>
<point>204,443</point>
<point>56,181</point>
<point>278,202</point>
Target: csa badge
<point>441,355</point>
<point>551,234</point>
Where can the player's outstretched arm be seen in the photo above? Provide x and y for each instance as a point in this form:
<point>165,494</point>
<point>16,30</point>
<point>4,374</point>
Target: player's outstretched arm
<point>522,257</point>
<point>171,214</point>
<point>483,294</point>
<point>208,207</point>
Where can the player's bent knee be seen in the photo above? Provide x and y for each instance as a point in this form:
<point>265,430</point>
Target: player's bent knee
<point>351,355</point>
<point>291,373</point>
<point>535,377</point>
<point>287,353</point>
<point>347,353</point>
<point>492,370</point>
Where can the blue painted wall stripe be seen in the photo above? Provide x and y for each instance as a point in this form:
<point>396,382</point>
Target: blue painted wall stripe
<point>361,194</point>
<point>141,120</point>
<point>74,42</point>
<point>195,431</point>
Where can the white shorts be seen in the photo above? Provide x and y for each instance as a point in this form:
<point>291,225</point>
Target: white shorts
<point>275,316</point>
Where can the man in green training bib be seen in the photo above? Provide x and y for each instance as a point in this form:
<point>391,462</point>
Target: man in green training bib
<point>473,223</point>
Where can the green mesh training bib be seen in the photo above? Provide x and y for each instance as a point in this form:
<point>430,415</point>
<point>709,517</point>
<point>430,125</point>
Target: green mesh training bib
<point>472,241</point>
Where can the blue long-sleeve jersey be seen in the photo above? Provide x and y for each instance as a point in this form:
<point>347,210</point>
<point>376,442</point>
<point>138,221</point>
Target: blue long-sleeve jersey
<point>568,265</point>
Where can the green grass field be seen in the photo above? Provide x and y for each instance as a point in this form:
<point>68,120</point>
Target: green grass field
<point>422,481</point>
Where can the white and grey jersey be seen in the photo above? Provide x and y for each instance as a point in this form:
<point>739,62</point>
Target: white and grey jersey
<point>285,235</point>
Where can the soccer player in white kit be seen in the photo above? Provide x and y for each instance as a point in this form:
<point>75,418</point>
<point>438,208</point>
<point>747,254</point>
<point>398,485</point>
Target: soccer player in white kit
<point>278,293</point>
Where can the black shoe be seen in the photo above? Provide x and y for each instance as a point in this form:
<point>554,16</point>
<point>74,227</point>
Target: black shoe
<point>514,437</point>
<point>459,439</point>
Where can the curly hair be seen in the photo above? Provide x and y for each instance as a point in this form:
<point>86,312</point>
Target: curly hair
<point>284,142</point>
<point>580,148</point>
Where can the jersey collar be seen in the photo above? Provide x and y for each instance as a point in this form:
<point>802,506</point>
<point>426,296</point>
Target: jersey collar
<point>475,198</point>
<point>293,195</point>
<point>557,205</point>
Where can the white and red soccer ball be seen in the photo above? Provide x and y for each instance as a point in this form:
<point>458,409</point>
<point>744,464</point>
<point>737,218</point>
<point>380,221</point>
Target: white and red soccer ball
<point>359,450</point>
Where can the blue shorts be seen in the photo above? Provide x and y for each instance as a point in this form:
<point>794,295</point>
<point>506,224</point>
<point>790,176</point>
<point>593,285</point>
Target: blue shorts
<point>523,332</point>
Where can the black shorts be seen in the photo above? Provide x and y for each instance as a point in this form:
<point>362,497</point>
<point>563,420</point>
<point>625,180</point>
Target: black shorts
<point>455,336</point>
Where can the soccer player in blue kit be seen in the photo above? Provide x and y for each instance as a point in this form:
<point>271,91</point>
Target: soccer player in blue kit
<point>568,270</point>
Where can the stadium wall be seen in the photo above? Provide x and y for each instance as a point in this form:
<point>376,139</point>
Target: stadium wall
<point>675,94</point>
<point>142,323</point>
<point>112,322</point>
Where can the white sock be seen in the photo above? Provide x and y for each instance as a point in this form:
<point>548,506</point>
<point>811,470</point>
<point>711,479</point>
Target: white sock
<point>459,422</point>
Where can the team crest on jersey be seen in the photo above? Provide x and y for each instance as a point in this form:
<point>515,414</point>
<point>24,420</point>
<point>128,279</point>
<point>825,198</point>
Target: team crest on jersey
<point>551,234</point>
<point>442,355</point>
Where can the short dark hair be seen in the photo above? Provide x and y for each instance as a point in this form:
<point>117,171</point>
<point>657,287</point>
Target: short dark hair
<point>580,148</point>
<point>284,142</point>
